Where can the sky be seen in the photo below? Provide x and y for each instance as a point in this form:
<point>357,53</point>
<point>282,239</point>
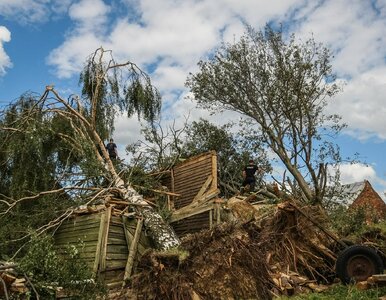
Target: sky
<point>45,42</point>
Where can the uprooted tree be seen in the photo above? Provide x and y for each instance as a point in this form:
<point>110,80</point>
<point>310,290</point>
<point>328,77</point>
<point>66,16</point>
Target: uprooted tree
<point>53,156</point>
<point>283,87</point>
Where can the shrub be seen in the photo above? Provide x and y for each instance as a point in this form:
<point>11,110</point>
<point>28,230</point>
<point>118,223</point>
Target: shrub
<point>48,270</point>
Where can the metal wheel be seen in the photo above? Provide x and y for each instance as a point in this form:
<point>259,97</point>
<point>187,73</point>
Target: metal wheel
<point>357,263</point>
<point>360,267</point>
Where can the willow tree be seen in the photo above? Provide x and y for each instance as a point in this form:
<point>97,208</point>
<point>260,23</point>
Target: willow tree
<point>283,86</point>
<point>77,127</point>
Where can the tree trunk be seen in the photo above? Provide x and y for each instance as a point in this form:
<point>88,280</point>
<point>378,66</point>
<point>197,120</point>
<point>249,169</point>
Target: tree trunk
<point>161,233</point>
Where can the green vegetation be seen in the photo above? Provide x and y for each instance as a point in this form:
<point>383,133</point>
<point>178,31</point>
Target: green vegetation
<point>283,86</point>
<point>162,147</point>
<point>341,292</point>
<point>48,269</point>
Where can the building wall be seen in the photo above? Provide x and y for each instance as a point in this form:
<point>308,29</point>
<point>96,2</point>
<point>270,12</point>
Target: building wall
<point>369,200</point>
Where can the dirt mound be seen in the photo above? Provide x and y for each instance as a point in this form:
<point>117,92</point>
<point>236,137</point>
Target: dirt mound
<point>223,263</point>
<point>282,254</point>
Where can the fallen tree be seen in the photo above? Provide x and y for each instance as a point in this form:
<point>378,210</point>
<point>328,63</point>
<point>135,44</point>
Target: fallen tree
<point>75,129</point>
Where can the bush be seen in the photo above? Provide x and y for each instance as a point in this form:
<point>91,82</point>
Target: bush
<point>346,221</point>
<point>47,269</point>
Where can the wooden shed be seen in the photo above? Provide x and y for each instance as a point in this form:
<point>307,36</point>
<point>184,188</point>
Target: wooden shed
<point>104,237</point>
<point>198,206</point>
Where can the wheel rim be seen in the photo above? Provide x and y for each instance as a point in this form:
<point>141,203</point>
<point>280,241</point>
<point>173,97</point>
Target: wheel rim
<point>360,267</point>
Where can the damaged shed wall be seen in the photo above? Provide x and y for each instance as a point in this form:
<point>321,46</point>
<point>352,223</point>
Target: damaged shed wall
<point>103,240</point>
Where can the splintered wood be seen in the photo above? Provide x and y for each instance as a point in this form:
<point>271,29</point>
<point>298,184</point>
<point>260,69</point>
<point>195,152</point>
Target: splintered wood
<point>377,280</point>
<point>11,282</point>
<point>294,283</point>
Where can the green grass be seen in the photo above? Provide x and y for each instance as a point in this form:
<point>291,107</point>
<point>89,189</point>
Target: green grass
<point>341,292</point>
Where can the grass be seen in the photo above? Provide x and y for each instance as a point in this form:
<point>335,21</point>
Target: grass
<point>341,292</point>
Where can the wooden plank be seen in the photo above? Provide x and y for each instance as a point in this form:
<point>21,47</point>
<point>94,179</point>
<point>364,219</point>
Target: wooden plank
<point>194,178</point>
<point>76,232</point>
<point>102,225</point>
<point>77,227</point>
<point>172,181</point>
<point>377,278</point>
<point>198,210</point>
<point>117,249</point>
<point>214,172</point>
<point>203,188</point>
<point>144,242</point>
<point>194,173</point>
<point>114,264</point>
<point>84,248</point>
<point>203,201</point>
<point>133,250</point>
<point>105,235</point>
<point>76,239</point>
<point>117,256</point>
<point>116,229</point>
<point>211,219</point>
<point>84,244</point>
<point>128,234</point>
<point>192,224</point>
<point>116,241</point>
<point>69,227</point>
<point>114,275</point>
<point>116,219</point>
<point>83,218</point>
<point>194,160</point>
<point>218,214</point>
<point>83,254</point>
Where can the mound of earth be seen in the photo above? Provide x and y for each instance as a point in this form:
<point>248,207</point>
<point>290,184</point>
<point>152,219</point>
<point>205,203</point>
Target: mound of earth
<point>223,263</point>
<point>281,254</point>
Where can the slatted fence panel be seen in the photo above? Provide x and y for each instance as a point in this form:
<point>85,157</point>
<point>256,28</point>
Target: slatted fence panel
<point>82,232</point>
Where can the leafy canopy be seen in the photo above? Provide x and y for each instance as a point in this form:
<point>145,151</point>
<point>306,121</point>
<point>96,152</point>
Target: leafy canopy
<point>284,87</point>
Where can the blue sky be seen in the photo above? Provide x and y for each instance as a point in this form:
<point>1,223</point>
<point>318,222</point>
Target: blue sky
<point>46,42</point>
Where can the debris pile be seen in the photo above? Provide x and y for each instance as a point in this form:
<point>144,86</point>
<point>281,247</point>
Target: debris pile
<point>293,242</point>
<point>283,253</point>
<point>378,280</point>
<point>222,263</point>
<point>11,282</point>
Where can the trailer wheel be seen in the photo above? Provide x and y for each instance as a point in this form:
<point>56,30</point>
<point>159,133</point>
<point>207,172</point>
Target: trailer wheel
<point>357,263</point>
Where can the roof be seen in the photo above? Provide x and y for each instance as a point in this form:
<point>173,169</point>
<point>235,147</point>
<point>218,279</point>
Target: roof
<point>346,194</point>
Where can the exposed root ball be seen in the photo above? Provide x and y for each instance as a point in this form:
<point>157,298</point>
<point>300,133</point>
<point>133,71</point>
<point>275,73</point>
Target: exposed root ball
<point>224,263</point>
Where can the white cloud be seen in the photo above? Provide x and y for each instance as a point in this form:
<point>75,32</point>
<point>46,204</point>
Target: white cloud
<point>356,33</point>
<point>90,17</point>
<point>5,61</point>
<point>353,30</point>
<point>25,11</point>
<point>89,11</point>
<point>350,173</point>
<point>362,104</point>
<point>29,12</point>
<point>175,34</point>
<point>70,57</point>
<point>170,37</point>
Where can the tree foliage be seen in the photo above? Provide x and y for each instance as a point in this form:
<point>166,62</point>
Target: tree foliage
<point>233,149</point>
<point>52,152</point>
<point>284,87</point>
<point>164,147</point>
<point>109,88</point>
